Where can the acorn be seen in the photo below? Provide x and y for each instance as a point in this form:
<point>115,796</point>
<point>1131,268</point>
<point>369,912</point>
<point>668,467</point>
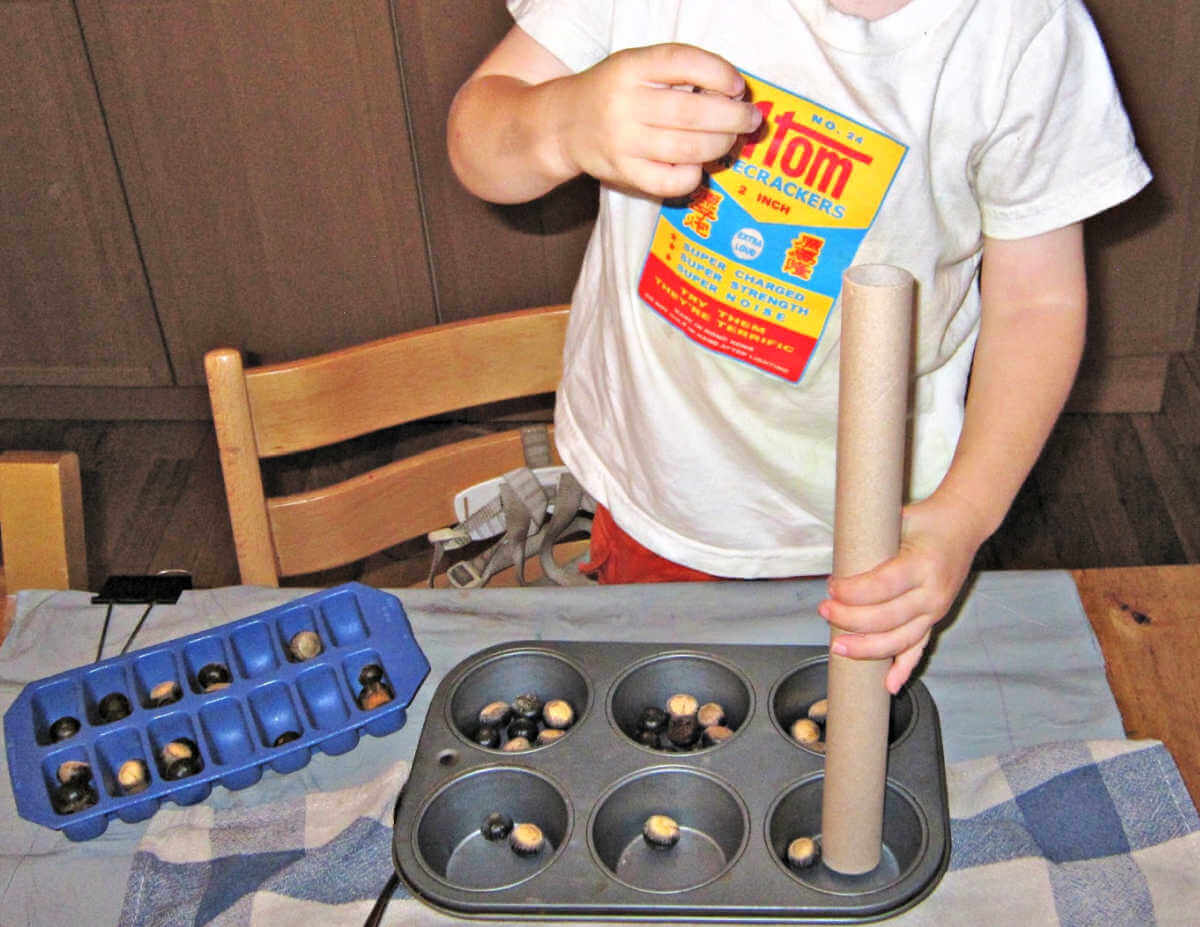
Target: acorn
<point>716,734</point>
<point>802,853</point>
<point>683,731</point>
<point>527,706</point>
<point>370,673</point>
<point>495,714</point>
<point>652,719</point>
<point>526,839</point>
<point>819,710</point>
<point>806,731</point>
<point>212,677</point>
<point>517,744</point>
<point>285,738</point>
<point>133,777</point>
<point>682,705</point>
<point>647,739</point>
<point>373,695</point>
<point>113,707</point>
<point>165,693</point>
<point>487,736</point>
<point>74,771</point>
<point>660,831</point>
<point>180,758</point>
<point>558,714</point>
<point>73,796</point>
<point>710,714</point>
<point>522,727</point>
<point>496,826</point>
<point>64,728</point>
<point>549,735</point>
<point>305,645</point>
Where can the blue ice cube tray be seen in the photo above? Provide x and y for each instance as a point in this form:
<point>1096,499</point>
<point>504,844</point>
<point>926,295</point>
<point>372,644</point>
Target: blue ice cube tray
<point>235,728</point>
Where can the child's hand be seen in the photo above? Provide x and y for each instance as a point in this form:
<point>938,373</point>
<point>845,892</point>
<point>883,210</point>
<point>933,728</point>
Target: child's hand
<point>626,122</point>
<point>891,610</point>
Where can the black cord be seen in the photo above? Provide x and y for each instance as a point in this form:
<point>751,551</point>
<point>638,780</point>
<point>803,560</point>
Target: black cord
<point>381,903</point>
<point>104,631</point>
<point>137,627</point>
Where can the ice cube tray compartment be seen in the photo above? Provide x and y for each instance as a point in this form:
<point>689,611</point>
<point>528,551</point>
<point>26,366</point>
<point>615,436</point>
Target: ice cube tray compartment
<point>274,712</point>
<point>738,803</point>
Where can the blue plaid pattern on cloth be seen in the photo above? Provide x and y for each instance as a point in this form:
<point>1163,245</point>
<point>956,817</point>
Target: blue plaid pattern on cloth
<point>1073,834</point>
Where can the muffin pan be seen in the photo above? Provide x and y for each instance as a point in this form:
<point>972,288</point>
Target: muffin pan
<point>737,803</point>
<point>274,711</point>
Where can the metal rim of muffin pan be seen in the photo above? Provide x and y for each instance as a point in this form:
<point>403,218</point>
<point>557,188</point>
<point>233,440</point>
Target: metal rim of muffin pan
<point>736,802</point>
<point>274,712</point>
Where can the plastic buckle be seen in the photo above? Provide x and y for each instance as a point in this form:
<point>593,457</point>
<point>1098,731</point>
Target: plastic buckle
<point>471,576</point>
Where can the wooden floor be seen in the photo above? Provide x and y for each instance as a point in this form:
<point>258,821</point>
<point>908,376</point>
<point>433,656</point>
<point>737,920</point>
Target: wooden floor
<point>1109,490</point>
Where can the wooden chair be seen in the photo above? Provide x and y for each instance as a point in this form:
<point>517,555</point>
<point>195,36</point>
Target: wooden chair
<point>284,408</point>
<point>41,521</point>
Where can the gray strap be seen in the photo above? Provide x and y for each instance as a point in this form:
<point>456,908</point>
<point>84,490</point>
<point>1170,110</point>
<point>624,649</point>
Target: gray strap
<point>535,441</point>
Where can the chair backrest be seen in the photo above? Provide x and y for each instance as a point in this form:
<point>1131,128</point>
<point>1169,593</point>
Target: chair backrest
<point>41,521</point>
<point>284,408</point>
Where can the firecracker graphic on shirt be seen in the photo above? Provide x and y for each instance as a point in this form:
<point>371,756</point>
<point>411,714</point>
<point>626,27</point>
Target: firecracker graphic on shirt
<point>750,264</point>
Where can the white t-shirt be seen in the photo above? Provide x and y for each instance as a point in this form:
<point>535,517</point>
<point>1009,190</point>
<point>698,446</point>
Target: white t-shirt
<point>699,398</point>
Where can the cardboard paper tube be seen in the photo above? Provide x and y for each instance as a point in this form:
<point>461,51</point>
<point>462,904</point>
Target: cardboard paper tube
<point>877,318</point>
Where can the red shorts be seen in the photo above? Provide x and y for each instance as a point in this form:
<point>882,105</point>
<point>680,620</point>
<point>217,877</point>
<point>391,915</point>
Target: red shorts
<point>618,558</point>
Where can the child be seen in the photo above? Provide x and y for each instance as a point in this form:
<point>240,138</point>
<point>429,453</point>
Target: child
<point>963,140</point>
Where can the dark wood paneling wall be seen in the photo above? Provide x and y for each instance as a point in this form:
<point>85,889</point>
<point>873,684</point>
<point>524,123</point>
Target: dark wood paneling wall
<point>485,258</point>
<point>265,149</point>
<point>73,301</point>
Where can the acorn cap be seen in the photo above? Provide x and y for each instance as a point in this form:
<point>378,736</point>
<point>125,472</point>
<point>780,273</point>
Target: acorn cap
<point>211,674</point>
<point>64,728</point>
<point>496,826</point>
<point>516,745</point>
<point>487,736</point>
<point>802,852</point>
<point>286,738</point>
<point>819,710</point>
<point>806,731</point>
<point>660,831</point>
<point>72,796</point>
<point>558,713</point>
<point>526,839</point>
<point>528,706</point>
<point>683,731</point>
<point>682,705</point>
<point>716,734</point>
<point>549,735</point>
<point>113,707</point>
<point>522,727</point>
<point>370,673</point>
<point>710,713</point>
<point>182,767</point>
<point>652,719</point>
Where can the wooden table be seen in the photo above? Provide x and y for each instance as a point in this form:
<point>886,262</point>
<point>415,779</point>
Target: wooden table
<point>1147,620</point>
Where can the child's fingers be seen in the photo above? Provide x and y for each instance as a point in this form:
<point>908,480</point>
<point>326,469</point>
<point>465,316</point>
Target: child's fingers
<point>698,112</point>
<point>876,616</point>
<point>675,63</point>
<point>904,664</point>
<point>883,644</point>
<point>887,581</point>
<point>678,147</point>
<point>661,179</point>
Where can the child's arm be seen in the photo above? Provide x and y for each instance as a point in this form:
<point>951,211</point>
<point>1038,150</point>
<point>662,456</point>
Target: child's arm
<point>523,122</point>
<point>1034,293</point>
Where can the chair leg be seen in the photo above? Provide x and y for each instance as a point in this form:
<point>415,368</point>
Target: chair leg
<point>41,521</point>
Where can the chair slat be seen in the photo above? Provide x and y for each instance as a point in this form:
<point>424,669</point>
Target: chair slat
<point>341,395</point>
<point>337,524</point>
